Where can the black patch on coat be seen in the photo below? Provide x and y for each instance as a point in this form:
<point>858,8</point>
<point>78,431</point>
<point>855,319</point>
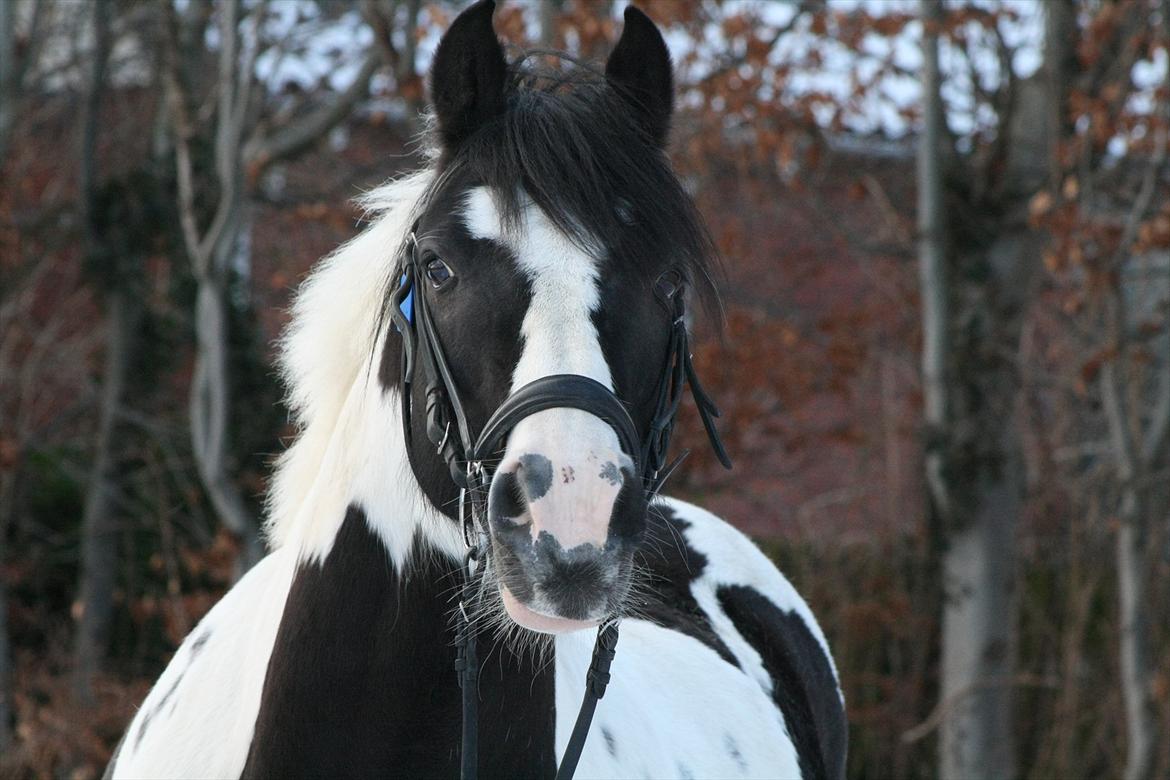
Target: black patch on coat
<point>198,643</point>
<point>142,729</point>
<point>170,692</point>
<point>670,565</point>
<point>610,742</point>
<point>804,687</point>
<point>735,753</point>
<point>361,682</point>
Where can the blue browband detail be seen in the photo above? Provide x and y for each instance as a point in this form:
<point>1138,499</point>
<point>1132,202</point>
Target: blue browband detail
<point>407,305</point>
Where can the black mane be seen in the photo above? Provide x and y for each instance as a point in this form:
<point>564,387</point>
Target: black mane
<point>570,141</point>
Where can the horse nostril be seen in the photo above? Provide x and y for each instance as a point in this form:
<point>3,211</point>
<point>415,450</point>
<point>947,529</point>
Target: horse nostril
<point>506,499</point>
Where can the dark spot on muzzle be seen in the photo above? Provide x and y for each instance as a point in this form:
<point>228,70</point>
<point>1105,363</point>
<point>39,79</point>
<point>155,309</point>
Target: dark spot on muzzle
<point>579,583</point>
<point>536,475</point>
<point>610,473</point>
<point>572,580</point>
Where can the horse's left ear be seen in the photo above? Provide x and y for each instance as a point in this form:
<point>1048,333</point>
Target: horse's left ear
<point>639,68</point>
<point>468,76</point>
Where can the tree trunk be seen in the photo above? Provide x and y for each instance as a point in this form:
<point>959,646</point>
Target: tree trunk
<point>210,412</point>
<point>1132,549</point>
<point>7,74</point>
<point>94,607</point>
<point>974,299</point>
<point>549,10</point>
<point>978,647</point>
<point>932,266</point>
<point>1136,676</point>
<point>7,118</point>
<point>211,390</point>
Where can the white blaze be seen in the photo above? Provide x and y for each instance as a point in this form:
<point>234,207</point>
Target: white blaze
<point>559,338</point>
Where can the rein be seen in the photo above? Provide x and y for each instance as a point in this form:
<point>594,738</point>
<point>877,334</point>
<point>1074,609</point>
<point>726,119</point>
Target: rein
<point>423,360</point>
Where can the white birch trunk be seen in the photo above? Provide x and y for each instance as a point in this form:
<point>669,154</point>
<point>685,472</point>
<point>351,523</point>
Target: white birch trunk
<point>978,639</point>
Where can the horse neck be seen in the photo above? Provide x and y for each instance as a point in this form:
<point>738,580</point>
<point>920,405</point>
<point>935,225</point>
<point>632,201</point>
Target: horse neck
<point>361,680</point>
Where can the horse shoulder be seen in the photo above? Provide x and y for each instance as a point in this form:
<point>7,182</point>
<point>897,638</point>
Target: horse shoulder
<point>760,618</point>
<point>198,719</point>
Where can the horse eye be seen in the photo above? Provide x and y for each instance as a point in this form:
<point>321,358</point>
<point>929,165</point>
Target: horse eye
<point>438,272</point>
<point>668,285</point>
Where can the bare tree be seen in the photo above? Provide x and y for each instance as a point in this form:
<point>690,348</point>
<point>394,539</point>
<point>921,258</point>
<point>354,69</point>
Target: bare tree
<point>549,10</point>
<point>14,60</point>
<point>9,74</point>
<point>94,605</point>
<point>1138,435</point>
<point>978,265</point>
<point>244,142</point>
<point>1103,214</point>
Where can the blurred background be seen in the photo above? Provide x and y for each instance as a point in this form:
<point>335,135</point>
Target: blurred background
<point>945,372</point>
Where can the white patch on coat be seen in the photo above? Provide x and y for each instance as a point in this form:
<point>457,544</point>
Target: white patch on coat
<point>349,448</point>
<point>670,707</point>
<point>329,342</point>
<point>558,330</point>
<point>559,338</point>
<point>201,713</point>
<point>732,559</point>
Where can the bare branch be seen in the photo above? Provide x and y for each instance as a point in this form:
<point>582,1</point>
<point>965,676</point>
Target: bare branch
<point>731,62</point>
<point>1117,415</point>
<point>1159,429</point>
<point>932,265</point>
<point>176,97</point>
<point>295,137</point>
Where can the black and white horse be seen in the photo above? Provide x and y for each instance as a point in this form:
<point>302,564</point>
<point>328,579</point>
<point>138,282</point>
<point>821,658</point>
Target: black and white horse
<point>548,237</point>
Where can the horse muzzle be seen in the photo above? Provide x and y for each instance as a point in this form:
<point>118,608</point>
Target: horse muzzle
<point>557,520</point>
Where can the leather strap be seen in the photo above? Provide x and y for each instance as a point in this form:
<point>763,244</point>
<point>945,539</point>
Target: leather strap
<point>557,391</point>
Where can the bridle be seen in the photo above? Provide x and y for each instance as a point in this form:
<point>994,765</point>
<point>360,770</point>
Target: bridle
<point>466,456</point>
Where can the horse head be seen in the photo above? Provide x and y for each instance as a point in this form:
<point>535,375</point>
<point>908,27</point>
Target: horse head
<point>540,304</point>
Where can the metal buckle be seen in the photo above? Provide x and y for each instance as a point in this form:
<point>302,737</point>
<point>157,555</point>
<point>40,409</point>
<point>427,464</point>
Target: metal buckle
<point>473,536</point>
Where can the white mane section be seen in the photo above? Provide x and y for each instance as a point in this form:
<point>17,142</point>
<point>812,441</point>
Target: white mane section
<point>328,353</point>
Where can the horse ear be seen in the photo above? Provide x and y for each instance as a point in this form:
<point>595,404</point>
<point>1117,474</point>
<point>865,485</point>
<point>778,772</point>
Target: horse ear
<point>468,76</point>
<point>639,68</point>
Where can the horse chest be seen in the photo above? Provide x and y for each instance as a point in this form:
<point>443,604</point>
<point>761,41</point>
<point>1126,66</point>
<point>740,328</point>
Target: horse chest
<point>361,681</point>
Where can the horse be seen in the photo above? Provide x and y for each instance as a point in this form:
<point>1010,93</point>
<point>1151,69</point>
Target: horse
<point>484,382</point>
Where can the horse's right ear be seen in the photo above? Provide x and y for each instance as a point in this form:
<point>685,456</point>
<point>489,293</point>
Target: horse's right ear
<point>468,76</point>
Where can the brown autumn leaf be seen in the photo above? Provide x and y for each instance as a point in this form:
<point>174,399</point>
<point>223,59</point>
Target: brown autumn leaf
<point>1040,204</point>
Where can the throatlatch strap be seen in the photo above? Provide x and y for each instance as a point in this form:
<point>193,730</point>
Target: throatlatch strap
<point>467,667</point>
<point>604,650</point>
